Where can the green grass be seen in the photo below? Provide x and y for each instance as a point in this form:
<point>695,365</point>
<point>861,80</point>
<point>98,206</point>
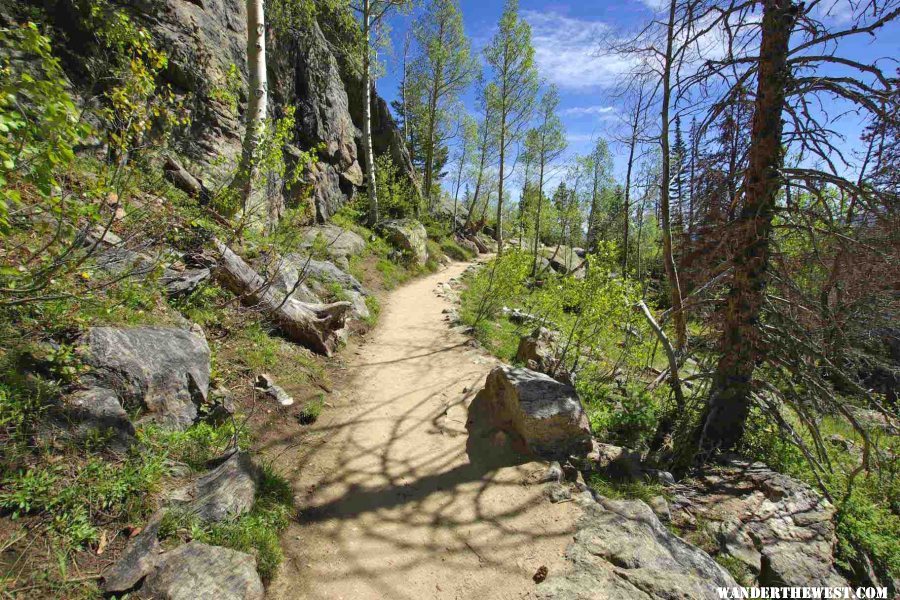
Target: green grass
<point>500,337</point>
<point>626,490</point>
<point>312,410</point>
<point>455,251</point>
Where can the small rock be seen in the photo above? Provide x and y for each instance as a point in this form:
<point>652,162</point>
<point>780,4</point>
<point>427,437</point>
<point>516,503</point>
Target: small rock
<point>660,508</point>
<point>266,384</point>
<point>554,473</point>
<point>141,555</point>
<point>540,575</point>
<point>663,477</point>
<point>226,491</point>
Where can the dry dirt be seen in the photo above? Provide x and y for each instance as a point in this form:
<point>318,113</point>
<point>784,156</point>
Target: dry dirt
<point>391,503</point>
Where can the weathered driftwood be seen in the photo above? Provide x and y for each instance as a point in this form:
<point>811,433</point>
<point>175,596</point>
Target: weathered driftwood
<point>315,326</point>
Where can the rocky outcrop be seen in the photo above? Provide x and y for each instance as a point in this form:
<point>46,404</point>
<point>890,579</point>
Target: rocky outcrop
<point>198,571</point>
<point>203,40</point>
<point>162,371</point>
<point>307,76</point>
<point>545,417</point>
<point>621,550</point>
<point>408,236</point>
<point>780,528</point>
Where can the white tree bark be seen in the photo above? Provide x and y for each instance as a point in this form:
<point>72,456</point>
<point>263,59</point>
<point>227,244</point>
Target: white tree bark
<point>253,196</point>
<point>367,115</point>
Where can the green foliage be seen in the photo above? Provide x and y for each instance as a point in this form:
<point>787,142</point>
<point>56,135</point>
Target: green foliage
<point>72,496</point>
<point>39,122</point>
<point>500,283</point>
<point>624,414</point>
<point>396,198</point>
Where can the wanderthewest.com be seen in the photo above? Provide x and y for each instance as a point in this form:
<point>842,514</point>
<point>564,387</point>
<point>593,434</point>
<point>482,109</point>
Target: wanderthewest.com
<point>801,592</point>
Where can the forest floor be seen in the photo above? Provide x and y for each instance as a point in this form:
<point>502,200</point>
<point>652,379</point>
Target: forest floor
<point>393,499</point>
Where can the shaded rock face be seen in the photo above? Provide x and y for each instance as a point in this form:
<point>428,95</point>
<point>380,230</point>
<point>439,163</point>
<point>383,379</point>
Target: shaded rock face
<point>89,413</point>
<point>777,526</point>
<point>198,571</point>
<point>306,74</point>
<point>408,236</point>
<point>544,415</point>
<point>203,39</point>
<point>621,550</point>
<point>161,370</point>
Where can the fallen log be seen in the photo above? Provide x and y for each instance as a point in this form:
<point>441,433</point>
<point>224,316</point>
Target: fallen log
<point>315,326</point>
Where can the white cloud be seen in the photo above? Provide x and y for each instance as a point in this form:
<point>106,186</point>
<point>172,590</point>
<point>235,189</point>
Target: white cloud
<point>594,111</point>
<point>566,51</point>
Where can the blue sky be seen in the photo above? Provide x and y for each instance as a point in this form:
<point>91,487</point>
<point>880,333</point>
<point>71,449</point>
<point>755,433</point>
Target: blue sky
<point>565,36</point>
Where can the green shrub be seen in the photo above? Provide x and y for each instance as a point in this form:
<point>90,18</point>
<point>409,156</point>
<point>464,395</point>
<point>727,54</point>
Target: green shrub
<point>312,410</point>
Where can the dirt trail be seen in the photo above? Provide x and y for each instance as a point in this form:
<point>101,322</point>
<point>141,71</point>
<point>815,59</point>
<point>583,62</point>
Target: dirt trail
<point>390,504</point>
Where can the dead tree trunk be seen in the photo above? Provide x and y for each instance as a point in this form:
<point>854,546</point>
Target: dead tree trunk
<point>723,420</point>
<point>314,326</point>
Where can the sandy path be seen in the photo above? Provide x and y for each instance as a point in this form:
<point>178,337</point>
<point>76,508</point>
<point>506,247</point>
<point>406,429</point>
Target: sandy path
<point>391,505</point>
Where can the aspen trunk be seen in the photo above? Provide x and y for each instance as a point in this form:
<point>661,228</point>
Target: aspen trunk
<point>257,105</point>
<point>371,190</point>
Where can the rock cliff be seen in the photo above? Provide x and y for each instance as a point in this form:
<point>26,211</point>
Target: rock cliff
<point>308,69</point>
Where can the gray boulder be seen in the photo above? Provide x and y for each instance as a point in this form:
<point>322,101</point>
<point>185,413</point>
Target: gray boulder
<point>339,243</point>
<point>544,416</point>
<point>198,571</point>
<point>224,492</point>
<point>779,527</point>
<point>621,550</point>
<point>163,371</point>
<point>324,272</point>
<point>613,462</point>
<point>408,236</point>
<point>537,352</point>
<point>180,282</point>
<point>92,412</point>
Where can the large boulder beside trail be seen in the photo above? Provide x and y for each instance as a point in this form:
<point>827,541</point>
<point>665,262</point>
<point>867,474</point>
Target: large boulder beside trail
<point>338,243</point>
<point>161,371</point>
<point>408,236</point>
<point>198,571</point>
<point>545,417</point>
<point>621,550</point>
<point>779,527</point>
